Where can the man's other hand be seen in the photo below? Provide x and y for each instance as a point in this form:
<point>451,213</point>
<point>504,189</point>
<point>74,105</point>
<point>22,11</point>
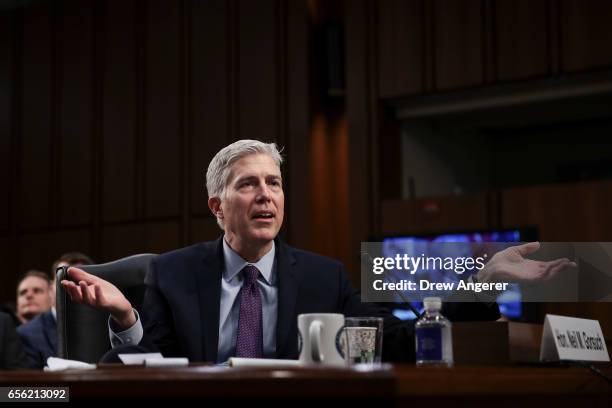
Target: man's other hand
<point>510,265</point>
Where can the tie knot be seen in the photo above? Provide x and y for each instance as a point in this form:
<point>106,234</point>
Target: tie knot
<point>251,273</point>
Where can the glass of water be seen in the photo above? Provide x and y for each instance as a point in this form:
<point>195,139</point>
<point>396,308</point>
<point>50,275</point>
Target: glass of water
<point>363,340</point>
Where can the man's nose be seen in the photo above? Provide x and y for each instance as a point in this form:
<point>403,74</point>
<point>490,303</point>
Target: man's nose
<point>264,193</point>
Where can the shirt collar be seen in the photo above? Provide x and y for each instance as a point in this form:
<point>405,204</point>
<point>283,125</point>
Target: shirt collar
<point>234,263</point>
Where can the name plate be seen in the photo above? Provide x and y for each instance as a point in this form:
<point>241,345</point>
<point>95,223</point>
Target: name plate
<point>570,338</point>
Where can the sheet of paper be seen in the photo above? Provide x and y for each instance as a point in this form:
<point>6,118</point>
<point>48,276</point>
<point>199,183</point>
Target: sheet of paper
<point>60,364</point>
<point>138,358</point>
<point>262,362</point>
<point>167,362</point>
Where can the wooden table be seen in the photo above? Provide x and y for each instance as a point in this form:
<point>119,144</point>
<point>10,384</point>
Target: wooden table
<point>397,385</point>
<point>503,386</point>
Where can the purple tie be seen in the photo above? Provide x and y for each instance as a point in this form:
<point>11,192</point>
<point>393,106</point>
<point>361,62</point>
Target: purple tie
<point>249,339</point>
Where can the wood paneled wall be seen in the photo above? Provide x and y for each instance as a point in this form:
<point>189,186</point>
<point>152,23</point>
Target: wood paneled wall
<point>423,216</point>
<point>410,48</point>
<point>110,111</point>
<point>562,212</point>
<point>572,212</point>
<point>428,46</point>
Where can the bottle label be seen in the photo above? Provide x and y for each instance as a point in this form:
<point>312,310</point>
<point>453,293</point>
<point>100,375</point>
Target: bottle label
<point>429,344</point>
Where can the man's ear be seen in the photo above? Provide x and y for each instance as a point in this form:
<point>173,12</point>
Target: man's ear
<point>214,203</point>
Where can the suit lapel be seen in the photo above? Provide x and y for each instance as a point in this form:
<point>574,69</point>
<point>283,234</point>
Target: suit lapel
<point>208,278</point>
<point>287,293</point>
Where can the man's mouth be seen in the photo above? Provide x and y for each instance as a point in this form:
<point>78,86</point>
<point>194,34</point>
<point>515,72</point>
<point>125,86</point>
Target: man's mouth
<point>263,215</point>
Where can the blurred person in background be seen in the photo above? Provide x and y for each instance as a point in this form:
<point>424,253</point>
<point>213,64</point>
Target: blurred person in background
<point>39,336</point>
<point>33,295</point>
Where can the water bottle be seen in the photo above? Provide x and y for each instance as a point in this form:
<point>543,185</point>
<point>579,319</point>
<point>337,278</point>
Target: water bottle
<point>434,342</point>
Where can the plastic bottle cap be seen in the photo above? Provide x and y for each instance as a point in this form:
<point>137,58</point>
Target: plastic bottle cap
<point>432,303</point>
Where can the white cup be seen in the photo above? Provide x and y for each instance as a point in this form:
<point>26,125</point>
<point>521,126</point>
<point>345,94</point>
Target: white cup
<point>319,339</point>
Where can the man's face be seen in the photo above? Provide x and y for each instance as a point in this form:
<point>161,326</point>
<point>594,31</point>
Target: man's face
<point>253,206</point>
<point>33,297</point>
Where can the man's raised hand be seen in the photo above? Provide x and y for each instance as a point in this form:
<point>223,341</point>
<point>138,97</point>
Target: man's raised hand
<point>100,294</point>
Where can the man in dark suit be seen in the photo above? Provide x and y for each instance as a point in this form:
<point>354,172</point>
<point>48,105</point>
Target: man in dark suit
<point>190,300</point>
<point>11,350</point>
<point>241,294</point>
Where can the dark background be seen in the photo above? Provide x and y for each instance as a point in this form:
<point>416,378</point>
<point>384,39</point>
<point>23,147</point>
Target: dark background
<point>110,111</point>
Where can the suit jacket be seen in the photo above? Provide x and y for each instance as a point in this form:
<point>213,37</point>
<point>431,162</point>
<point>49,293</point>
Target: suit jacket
<point>182,300</point>
<point>39,337</point>
<point>11,349</point>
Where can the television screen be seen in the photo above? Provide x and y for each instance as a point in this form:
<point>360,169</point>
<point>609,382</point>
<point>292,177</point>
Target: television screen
<point>509,302</point>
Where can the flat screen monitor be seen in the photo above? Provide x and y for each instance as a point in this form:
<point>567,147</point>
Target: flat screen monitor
<point>510,302</point>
